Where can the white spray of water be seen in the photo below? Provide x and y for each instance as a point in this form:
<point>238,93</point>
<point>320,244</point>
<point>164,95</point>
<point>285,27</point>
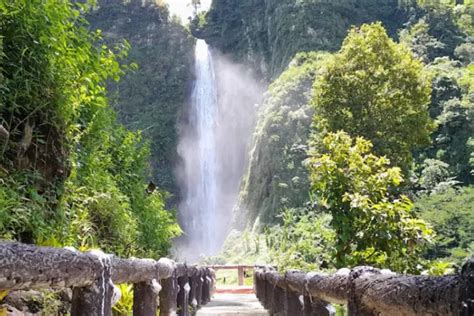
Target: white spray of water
<point>199,207</point>
<point>213,148</point>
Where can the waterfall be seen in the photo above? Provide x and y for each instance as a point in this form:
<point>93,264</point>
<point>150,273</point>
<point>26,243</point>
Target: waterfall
<point>213,149</point>
<point>198,211</point>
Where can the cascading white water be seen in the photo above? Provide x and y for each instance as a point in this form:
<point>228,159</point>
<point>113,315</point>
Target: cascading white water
<point>199,208</point>
<point>213,148</point>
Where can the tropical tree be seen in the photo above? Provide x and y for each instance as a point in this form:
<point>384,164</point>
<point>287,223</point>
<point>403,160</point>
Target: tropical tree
<point>373,225</point>
<point>375,88</point>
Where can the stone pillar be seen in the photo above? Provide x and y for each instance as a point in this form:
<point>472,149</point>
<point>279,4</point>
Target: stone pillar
<point>467,291</point>
<point>206,288</point>
<point>183,296</point>
<point>308,306</point>
<point>354,304</point>
<point>198,282</point>
<point>195,290</point>
<point>145,298</point>
<point>169,296</point>
<point>259,286</point>
<point>96,299</point>
<point>293,304</point>
<point>277,306</point>
<point>241,275</point>
<point>268,293</point>
<point>324,308</point>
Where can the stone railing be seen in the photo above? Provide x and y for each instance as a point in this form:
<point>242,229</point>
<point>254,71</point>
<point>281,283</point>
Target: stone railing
<point>162,284</point>
<point>365,291</point>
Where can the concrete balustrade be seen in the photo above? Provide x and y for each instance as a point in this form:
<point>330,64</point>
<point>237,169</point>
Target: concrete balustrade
<point>366,291</point>
<point>162,284</point>
<point>180,289</point>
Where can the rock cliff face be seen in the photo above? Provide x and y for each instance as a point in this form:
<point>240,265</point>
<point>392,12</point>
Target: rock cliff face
<point>151,97</point>
<point>276,177</point>
<point>268,34</point>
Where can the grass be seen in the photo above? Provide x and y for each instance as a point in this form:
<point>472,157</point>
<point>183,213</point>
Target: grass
<point>230,277</point>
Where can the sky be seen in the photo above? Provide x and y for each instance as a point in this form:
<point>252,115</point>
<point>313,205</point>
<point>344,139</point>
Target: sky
<point>183,8</point>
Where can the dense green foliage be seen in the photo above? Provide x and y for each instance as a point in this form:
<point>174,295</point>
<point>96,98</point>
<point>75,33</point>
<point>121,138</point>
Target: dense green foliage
<point>373,226</point>
<point>452,218</point>
<point>436,33</point>
<point>268,34</point>
<point>441,39</point>
<point>305,240</point>
<point>452,107</point>
<point>339,130</point>
<point>70,174</point>
<point>374,88</point>
<point>151,97</point>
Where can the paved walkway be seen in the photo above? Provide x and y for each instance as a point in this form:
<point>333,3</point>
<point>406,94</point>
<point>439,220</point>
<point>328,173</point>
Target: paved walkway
<point>233,304</point>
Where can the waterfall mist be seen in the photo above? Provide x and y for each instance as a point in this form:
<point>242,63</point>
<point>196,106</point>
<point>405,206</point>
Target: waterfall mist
<point>213,148</point>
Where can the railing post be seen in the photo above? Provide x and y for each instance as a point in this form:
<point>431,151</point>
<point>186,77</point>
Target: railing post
<point>317,307</point>
<point>195,293</point>
<point>293,304</point>
<point>183,295</point>
<point>169,296</point>
<point>96,299</point>
<point>308,306</point>
<point>354,305</point>
<point>268,293</point>
<point>467,292</point>
<point>241,275</point>
<point>206,288</point>
<point>259,285</point>
<point>192,272</point>
<point>278,300</point>
<point>212,276</point>
<point>198,283</point>
<point>145,298</point>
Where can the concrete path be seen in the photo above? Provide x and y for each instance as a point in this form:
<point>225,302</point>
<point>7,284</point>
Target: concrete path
<point>233,304</point>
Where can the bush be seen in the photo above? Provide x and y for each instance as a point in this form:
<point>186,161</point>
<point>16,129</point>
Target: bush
<point>72,175</point>
<point>373,225</point>
<point>375,88</point>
